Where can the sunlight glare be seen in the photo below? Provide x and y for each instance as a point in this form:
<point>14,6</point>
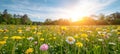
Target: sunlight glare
<point>80,10</point>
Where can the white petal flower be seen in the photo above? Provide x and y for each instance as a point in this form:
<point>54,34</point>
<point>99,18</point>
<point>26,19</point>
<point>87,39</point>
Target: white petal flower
<point>100,40</point>
<point>70,40</point>
<point>30,38</point>
<point>111,43</point>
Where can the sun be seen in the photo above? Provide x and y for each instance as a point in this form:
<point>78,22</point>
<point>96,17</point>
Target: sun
<point>80,10</point>
<point>76,15</point>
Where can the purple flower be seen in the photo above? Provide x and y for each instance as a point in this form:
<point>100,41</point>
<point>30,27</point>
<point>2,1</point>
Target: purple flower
<point>44,47</point>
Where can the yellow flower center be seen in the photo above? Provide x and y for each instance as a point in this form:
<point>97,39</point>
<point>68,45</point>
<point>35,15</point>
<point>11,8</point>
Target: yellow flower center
<point>70,39</point>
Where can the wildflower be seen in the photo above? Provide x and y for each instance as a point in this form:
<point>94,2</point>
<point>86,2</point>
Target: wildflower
<point>44,47</point>
<point>34,32</point>
<point>5,37</point>
<point>35,42</point>
<point>111,43</point>
<point>100,40</point>
<point>79,44</point>
<point>16,37</point>
<point>118,33</point>
<point>29,50</point>
<point>28,29</point>
<point>6,30</point>
<point>1,30</point>
<point>103,35</point>
<point>2,42</point>
<point>113,30</point>
<point>30,38</point>
<point>99,32</point>
<point>104,32</point>
<point>70,40</point>
<point>34,27</point>
<point>42,39</point>
<point>109,34</point>
<point>39,33</point>
<point>19,31</point>
<point>54,38</point>
<point>84,35</point>
<point>63,28</point>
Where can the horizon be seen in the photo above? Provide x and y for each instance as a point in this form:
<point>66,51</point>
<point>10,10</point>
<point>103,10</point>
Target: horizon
<point>55,9</point>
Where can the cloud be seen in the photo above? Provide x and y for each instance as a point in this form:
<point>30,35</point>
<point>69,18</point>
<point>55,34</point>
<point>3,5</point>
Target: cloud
<point>76,9</point>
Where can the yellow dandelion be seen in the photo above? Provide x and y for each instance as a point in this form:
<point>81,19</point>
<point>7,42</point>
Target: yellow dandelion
<point>16,37</point>
<point>34,32</point>
<point>2,42</point>
<point>79,44</point>
<point>5,37</point>
<point>6,30</point>
<point>39,33</point>
<point>42,39</point>
<point>29,50</point>
<point>103,35</point>
<point>1,30</point>
<point>118,33</point>
<point>54,38</point>
<point>84,35</point>
<point>63,28</point>
<point>33,27</point>
<point>19,31</point>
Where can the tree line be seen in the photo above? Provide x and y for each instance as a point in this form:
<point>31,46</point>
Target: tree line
<point>101,19</point>
<point>7,18</point>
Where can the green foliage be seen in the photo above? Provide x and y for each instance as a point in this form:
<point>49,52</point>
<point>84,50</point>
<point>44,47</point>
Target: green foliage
<point>6,18</point>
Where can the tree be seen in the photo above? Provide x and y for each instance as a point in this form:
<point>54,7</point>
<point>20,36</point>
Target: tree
<point>5,16</point>
<point>25,19</point>
<point>1,19</point>
<point>101,17</point>
<point>48,22</point>
<point>114,18</point>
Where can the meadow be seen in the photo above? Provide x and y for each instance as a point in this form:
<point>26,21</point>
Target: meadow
<point>34,39</point>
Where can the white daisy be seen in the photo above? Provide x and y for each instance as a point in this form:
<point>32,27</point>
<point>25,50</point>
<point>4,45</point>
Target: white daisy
<point>70,40</point>
<point>100,40</point>
<point>30,38</point>
<point>111,43</point>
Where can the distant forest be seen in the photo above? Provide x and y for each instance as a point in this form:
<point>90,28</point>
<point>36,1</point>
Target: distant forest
<point>101,19</point>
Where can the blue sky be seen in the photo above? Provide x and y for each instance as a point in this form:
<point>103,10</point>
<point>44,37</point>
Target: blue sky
<point>39,10</point>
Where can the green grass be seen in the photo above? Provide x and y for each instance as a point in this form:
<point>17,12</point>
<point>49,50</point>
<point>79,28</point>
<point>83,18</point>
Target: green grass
<point>99,40</point>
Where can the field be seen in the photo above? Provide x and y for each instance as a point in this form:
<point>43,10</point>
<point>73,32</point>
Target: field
<point>21,39</point>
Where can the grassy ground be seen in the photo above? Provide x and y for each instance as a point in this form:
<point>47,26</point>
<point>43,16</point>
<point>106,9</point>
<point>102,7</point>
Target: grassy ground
<point>21,39</point>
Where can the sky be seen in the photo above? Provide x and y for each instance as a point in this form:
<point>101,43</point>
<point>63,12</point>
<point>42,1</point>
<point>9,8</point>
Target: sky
<point>39,10</point>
